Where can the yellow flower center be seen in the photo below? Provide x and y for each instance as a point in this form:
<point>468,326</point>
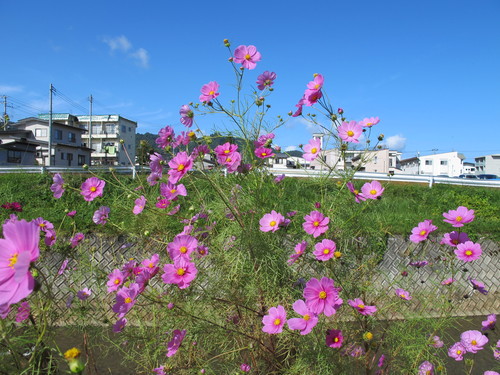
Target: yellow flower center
<point>211,92</point>
<point>277,322</point>
<point>326,251</point>
<point>13,260</point>
<point>373,192</point>
<point>181,271</point>
<point>93,189</point>
<point>191,134</point>
<point>272,223</point>
<point>317,86</point>
<point>117,281</point>
<point>183,249</point>
<point>128,300</point>
<point>423,232</point>
<point>336,339</point>
<point>455,242</point>
<point>337,254</point>
<point>263,154</point>
<point>173,191</point>
<point>468,253</point>
<point>473,342</point>
<point>369,124</point>
<point>180,167</point>
<point>229,160</point>
<point>459,352</point>
<point>356,192</point>
<point>350,133</point>
<point>151,265</point>
<point>459,218</point>
<point>42,225</point>
<point>316,223</point>
<point>322,294</point>
<point>307,317</point>
<point>361,306</point>
<point>247,57</point>
<point>314,150</point>
<point>403,296</point>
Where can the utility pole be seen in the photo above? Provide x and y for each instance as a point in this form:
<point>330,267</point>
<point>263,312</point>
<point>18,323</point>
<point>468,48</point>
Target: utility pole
<point>4,118</point>
<point>90,129</point>
<point>50,125</point>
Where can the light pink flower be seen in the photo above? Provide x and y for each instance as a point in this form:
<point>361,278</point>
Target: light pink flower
<point>171,191</point>
<point>473,340</point>
<point>245,367</point>
<point>182,272</point>
<point>140,203</point>
<point>263,152</point>
<point>308,320</point>
<point>271,222</point>
<point>448,281</point>
<point>275,320</point>
<point>315,223</point>
<point>76,239</point>
<point>166,136</point>
<point>57,186</point>
<point>403,294</point>
<point>248,56</point>
<point>436,342</point>
<point>454,238</point>
<point>92,188</point>
<point>316,83</point>
<point>23,312</point>
<point>357,195</point>
<point>489,323</point>
<point>179,165</point>
<point>372,190</point>
<point>325,250</point>
<point>125,299</point>
<point>101,215</point>
<point>209,91</point>
<point>350,131</point>
<point>182,246</point>
<point>422,231</point>
<point>459,217</point>
<point>368,122</point>
<point>359,305</point>
<point>322,296</point>
<point>50,237</point>
<point>84,294</point>
<point>299,250</point>
<point>426,368</point>
<point>175,343</point>
<point>457,351</point>
<point>334,338</point>
<point>186,115</point>
<point>266,79</point>
<point>468,251</point>
<point>312,149</point>
<point>116,279</point>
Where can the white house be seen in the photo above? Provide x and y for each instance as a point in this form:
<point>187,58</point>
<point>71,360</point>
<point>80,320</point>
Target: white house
<point>445,164</point>
<point>488,164</point>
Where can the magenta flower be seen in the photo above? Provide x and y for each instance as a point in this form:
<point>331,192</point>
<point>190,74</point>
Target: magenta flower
<point>172,191</point>
<point>245,367</point>
<point>160,370</point>
<point>57,186</point>
<point>179,165</point>
<point>334,338</point>
<point>101,215</point>
<point>209,91</point>
<point>175,343</point>
<point>457,351</point>
<point>119,325</point>
<point>227,149</point>
<point>116,279</point>
<point>454,238</point>
<point>76,239</point>
<point>299,106</point>
<point>140,203</point>
<point>266,79</point>
<point>92,188</point>
<point>316,83</point>
<point>359,305</point>
<point>63,266</point>
<point>165,138</point>
<point>479,286</point>
<point>186,115</point>
<point>468,251</point>
<point>18,249</point>
<point>426,368</point>
<point>84,294</point>
<point>489,323</point>
<point>263,152</point>
<point>403,294</point>
<point>23,312</point>
<point>50,237</point>
<point>381,361</point>
<point>308,320</point>
<point>437,342</point>
<point>271,222</point>
<point>315,223</point>
<point>312,149</point>
<point>325,250</point>
<point>322,296</point>
<point>448,281</point>
<point>459,217</point>
<point>418,263</point>
<point>182,272</point>
<point>357,195</point>
<point>422,231</point>
<point>372,190</point>
<point>368,122</point>
<point>299,250</point>
<point>125,299</point>
<point>311,97</point>
<point>71,213</point>
<point>473,340</point>
<point>182,246</point>
<point>350,131</point>
<point>279,178</point>
<point>275,320</point>
<point>43,224</point>
<point>247,56</point>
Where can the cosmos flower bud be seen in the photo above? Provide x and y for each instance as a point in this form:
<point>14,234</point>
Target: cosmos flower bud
<point>85,166</point>
<point>122,141</point>
<point>333,117</point>
<point>225,41</point>
<point>230,59</point>
<point>380,137</point>
<point>340,111</point>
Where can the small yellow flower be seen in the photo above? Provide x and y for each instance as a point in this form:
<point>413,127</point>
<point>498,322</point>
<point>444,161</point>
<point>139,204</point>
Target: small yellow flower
<point>367,336</point>
<point>72,353</point>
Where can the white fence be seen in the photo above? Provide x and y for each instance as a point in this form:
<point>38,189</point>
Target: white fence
<point>42,169</point>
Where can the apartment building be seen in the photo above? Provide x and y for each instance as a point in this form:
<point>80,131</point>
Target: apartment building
<point>488,164</point>
<point>445,164</point>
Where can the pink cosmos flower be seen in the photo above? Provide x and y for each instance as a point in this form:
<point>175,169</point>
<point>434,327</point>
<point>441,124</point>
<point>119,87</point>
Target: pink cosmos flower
<point>275,320</point>
<point>359,305</point>
<point>245,367</point>
<point>448,281</point>
<point>227,149</point>
<point>179,165</point>
<point>436,342</point>
<point>92,188</point>
<point>160,370</point>
<point>357,195</point>
<point>325,250</point>
<point>299,106</point>
<point>182,272</point>
<point>473,340</point>
<point>156,163</point>
<point>18,249</point>
<point>468,251</point>
<point>140,203</point>
<point>263,152</point>
<point>426,368</point>
<point>162,203</point>
<point>334,338</point>
<point>422,231</point>
<point>175,343</point>
<point>372,190</point>
<point>23,312</point>
<point>316,83</point>
<point>43,224</point>
<point>266,79</point>
<point>311,97</point>
<point>76,239</point>
<point>84,294</point>
<point>57,186</point>
<point>186,115</point>
<point>454,238</point>
<point>101,215</point>
<point>63,266</point>
<point>315,223</point>
<point>312,149</point>
<point>491,372</point>
<point>350,131</point>
<point>119,325</point>
<point>279,178</point>
<point>403,294</point>
<point>368,122</point>
<point>248,56</point>
<point>457,351</point>
<point>172,191</point>
<point>71,213</point>
<point>174,210</point>
<point>182,246</point>
<point>271,222</point>
<point>125,299</point>
<point>308,320</point>
<point>153,178</point>
<point>209,91</point>
<point>50,237</point>
<point>479,286</point>
<point>299,250</point>
<point>166,136</point>
<point>459,217</point>
<point>116,279</point>
<point>322,296</point>
<point>489,323</point>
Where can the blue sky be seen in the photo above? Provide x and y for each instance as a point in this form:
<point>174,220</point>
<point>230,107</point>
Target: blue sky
<point>429,69</point>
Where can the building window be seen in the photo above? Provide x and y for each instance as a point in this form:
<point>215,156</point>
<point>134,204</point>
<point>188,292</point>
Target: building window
<point>390,163</point>
<point>428,162</point>
<point>129,129</point>
<point>71,137</point>
<point>124,129</point>
<point>444,162</point>
<point>70,159</point>
<point>129,146</point>
<point>40,132</point>
<point>62,155</point>
<point>58,135</point>
<point>375,159</point>
<point>13,156</point>
<point>81,159</point>
<point>110,128</point>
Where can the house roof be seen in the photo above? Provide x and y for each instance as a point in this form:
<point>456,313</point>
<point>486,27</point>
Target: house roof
<point>46,123</point>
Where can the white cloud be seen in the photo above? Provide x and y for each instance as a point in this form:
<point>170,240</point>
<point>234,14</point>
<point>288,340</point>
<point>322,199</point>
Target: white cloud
<point>8,89</point>
<point>142,57</point>
<point>396,142</point>
<point>120,43</point>
<point>291,148</point>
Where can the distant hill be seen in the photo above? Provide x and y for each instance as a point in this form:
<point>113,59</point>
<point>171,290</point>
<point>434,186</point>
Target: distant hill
<point>296,153</point>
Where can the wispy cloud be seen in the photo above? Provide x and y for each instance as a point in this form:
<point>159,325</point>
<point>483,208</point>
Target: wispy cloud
<point>121,44</point>
<point>9,89</point>
<point>291,148</point>
<point>396,142</point>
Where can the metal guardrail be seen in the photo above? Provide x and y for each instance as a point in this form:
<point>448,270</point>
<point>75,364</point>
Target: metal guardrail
<point>43,169</point>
